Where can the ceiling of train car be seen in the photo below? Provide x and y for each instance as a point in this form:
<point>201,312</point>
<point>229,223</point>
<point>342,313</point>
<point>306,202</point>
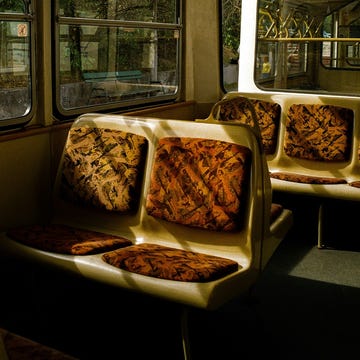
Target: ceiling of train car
<point>323,7</point>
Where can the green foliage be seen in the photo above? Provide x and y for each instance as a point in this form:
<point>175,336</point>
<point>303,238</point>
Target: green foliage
<point>231,15</point>
<point>18,6</point>
<point>121,48</point>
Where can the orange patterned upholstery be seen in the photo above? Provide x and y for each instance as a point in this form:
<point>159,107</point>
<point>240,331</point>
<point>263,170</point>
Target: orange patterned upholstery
<point>20,348</point>
<point>275,211</point>
<point>169,263</point>
<point>318,132</point>
<point>268,115</point>
<point>203,194</point>
<point>195,182</point>
<point>307,179</point>
<point>355,184</point>
<point>199,182</point>
<point>66,240</point>
<point>103,168</point>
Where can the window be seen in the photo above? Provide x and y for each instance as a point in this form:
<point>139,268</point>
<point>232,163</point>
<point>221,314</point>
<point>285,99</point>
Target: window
<point>308,46</point>
<point>342,29</point>
<point>16,70</point>
<point>231,16</point>
<point>113,54</point>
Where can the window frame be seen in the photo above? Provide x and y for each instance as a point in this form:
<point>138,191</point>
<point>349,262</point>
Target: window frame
<point>121,105</point>
<point>30,19</point>
<point>303,26</point>
<point>234,86</point>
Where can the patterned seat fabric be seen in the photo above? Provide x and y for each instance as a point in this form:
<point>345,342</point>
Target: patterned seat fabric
<point>355,184</point>
<point>275,211</point>
<point>268,115</point>
<point>199,182</point>
<point>307,179</point>
<point>20,348</point>
<point>169,263</point>
<point>103,168</point>
<point>318,132</point>
<point>66,240</point>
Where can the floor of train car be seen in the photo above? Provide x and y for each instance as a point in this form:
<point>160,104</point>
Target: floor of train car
<point>305,305</point>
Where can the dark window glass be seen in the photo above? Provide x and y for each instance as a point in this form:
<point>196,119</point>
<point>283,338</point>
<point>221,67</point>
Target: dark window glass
<point>117,53</point>
<point>15,63</point>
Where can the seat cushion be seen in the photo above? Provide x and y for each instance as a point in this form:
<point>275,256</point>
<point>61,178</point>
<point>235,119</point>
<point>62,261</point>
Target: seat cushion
<point>64,239</point>
<point>170,263</point>
<point>318,132</point>
<point>199,182</point>
<point>268,117</point>
<point>307,179</point>
<point>103,168</point>
<point>275,211</point>
<point>355,184</point>
<point>21,348</point>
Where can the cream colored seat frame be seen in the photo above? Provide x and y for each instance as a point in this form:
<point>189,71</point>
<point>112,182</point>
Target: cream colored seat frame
<point>280,162</point>
<point>245,246</point>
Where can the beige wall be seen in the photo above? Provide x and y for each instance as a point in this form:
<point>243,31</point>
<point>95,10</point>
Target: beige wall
<point>202,70</point>
<point>330,80</point>
<point>28,160</point>
<point>24,180</point>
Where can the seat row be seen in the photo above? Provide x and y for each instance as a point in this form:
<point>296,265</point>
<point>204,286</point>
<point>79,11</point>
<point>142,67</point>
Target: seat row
<point>14,346</point>
<point>175,209</point>
<point>311,143</point>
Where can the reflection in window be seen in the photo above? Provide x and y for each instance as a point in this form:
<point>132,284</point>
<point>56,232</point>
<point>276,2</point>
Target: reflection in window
<point>231,16</point>
<point>13,6</point>
<point>15,62</point>
<point>300,41</point>
<point>342,28</point>
<point>163,11</point>
<point>132,58</point>
<point>280,50</point>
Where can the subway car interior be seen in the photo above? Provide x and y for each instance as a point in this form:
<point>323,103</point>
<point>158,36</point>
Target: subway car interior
<point>179,179</point>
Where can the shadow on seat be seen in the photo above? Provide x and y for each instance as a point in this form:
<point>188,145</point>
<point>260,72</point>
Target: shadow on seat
<point>264,117</point>
<point>178,210</point>
<point>15,347</point>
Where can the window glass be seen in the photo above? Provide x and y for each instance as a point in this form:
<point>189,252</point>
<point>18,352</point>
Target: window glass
<point>163,11</point>
<point>13,6</point>
<point>342,29</point>
<point>308,46</point>
<point>15,63</point>
<point>231,16</point>
<point>117,53</point>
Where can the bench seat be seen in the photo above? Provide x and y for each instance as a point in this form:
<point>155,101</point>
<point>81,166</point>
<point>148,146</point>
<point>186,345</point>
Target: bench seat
<point>16,347</point>
<point>316,151</point>
<point>91,196</point>
<point>180,210</point>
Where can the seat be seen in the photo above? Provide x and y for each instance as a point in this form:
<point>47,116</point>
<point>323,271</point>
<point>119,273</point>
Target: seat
<point>88,208</point>
<point>264,117</point>
<point>13,346</point>
<point>185,207</point>
<point>316,157</point>
<point>316,152</point>
<point>266,114</point>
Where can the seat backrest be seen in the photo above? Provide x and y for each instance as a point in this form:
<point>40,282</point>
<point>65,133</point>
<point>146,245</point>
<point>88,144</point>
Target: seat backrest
<point>103,168</point>
<point>263,115</point>
<point>232,107</point>
<point>178,209</point>
<point>318,141</point>
<point>199,182</point>
<point>317,146</point>
<point>106,208</point>
<point>318,132</point>
<point>102,172</point>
